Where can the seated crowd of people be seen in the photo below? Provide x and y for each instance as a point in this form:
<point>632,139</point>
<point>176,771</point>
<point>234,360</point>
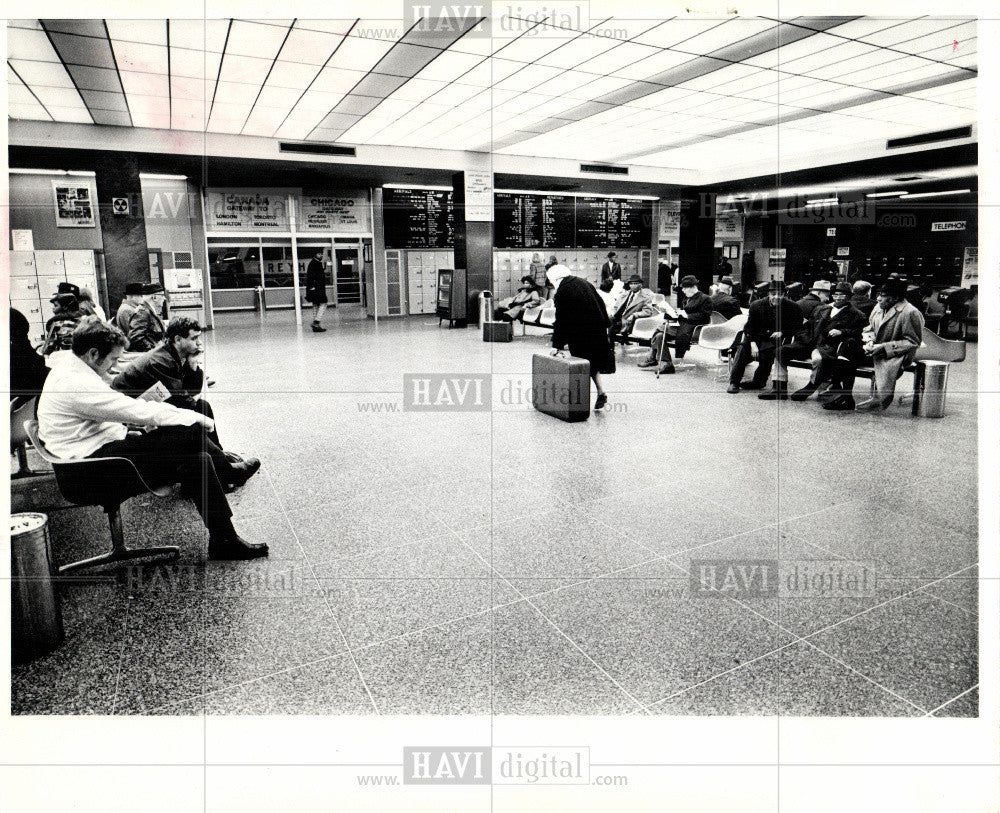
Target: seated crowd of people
<point>151,411</point>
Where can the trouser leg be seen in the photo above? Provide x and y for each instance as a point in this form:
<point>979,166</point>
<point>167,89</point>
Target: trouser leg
<point>654,347</point>
<point>740,362</point>
<point>203,407</point>
<point>682,340</point>
<point>318,310</point>
<point>181,453</point>
<point>887,372</point>
<point>765,360</point>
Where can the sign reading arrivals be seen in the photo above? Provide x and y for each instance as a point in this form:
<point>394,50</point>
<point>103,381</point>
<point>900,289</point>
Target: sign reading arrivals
<point>249,210</point>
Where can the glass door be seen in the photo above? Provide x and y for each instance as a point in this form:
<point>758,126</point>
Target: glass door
<point>277,273</point>
<point>348,275</point>
<point>235,273</point>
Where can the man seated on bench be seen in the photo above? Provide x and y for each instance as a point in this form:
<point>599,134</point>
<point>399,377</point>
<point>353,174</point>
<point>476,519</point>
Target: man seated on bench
<point>174,364</point>
<point>803,343</point>
<point>633,304</point>
<point>723,300</point>
<point>892,338</point>
<point>80,416</point>
<point>769,321</point>
<point>836,333</point>
<point>697,310</point>
<point>526,297</point>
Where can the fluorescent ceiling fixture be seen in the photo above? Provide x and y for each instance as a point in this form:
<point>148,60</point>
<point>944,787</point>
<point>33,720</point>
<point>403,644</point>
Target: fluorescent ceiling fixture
<point>83,173</point>
<point>885,194</point>
<point>937,194</point>
<point>816,201</point>
<point>575,194</point>
<point>416,186</point>
<point>157,177</point>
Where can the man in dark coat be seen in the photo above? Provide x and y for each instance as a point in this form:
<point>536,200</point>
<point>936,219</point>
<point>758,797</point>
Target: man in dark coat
<point>723,300</point>
<point>173,363</point>
<point>804,341</point>
<point>145,327</point>
<point>697,310</point>
<point>769,321</point>
<point>861,297</point>
<point>132,300</point>
<point>316,290</point>
<point>836,331</point>
<point>610,271</point>
<point>582,324</point>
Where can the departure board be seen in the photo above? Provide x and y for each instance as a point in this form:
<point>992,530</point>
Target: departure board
<point>592,223</point>
<point>532,221</point>
<point>630,223</point>
<point>418,218</point>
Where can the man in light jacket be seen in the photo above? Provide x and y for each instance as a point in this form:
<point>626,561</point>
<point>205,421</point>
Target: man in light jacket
<point>894,333</point>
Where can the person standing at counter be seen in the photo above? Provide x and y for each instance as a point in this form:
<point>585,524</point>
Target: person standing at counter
<point>316,290</point>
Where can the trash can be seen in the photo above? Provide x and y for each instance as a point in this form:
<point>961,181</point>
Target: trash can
<point>36,618</point>
<point>485,307</point>
<point>259,303</point>
<point>932,385</point>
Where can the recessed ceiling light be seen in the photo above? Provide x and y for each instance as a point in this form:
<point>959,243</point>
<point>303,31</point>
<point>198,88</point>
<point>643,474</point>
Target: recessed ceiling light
<point>886,194</point>
<point>936,194</point>
<point>817,201</point>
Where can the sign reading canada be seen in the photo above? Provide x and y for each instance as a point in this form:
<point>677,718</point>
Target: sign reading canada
<point>246,210</point>
<point>334,212</point>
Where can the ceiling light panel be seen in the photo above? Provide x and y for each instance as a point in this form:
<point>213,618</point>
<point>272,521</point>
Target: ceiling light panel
<point>105,79</point>
<point>149,32</point>
<point>451,95</point>
<point>526,49</point>
<point>676,32</point>
<point>418,89</point>
<point>101,100</point>
<point>336,80</point>
<point>23,43</point>
<point>185,62</point>
<point>188,114</point>
<point>199,35</point>
<point>32,111</point>
<point>239,93</point>
<point>492,72</point>
<point>27,24</point>
<point>58,97</point>
<point>249,69</point>
<point>340,26</point>
<point>300,122</point>
<point>578,51</point>
<point>264,120</point>
<point>909,30</point>
<point>809,46</point>
<point>145,84</point>
<point>874,58</point>
<point>619,57</point>
<point>291,75</point>
<point>527,78</point>
<point>88,51</point>
<point>48,74</point>
<point>732,79</point>
<point>730,32</point>
<point>358,54</point>
<point>960,32</point>
<point>255,39</point>
<point>449,66</point>
<point>652,65</point>
<point>309,47</point>
<point>405,60</point>
<point>73,115</point>
<point>149,111</point>
<point>81,27</point>
<point>832,60</point>
<point>131,56</point>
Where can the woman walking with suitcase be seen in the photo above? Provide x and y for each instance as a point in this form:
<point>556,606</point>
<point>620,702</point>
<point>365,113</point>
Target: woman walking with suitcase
<point>582,324</point>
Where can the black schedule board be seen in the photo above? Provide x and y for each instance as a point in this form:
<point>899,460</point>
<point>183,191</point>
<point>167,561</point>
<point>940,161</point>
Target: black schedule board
<point>556,224</point>
<point>418,218</point>
<point>508,220</point>
<point>630,223</point>
<point>530,221</point>
<point>591,222</point>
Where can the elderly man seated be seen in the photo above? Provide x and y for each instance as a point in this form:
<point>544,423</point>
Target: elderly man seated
<point>723,300</point>
<point>145,327</point>
<point>526,297</point>
<point>80,415</point>
<point>697,310</point>
<point>891,339</point>
<point>634,303</point>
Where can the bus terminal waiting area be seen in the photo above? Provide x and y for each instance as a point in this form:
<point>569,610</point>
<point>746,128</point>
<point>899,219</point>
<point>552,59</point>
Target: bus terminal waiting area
<point>684,551</point>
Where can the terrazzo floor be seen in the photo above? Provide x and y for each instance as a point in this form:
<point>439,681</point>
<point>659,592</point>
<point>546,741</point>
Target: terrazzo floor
<point>502,562</point>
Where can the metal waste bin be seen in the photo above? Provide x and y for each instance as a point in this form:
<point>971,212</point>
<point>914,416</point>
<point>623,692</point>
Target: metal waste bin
<point>932,385</point>
<point>36,617</point>
<point>485,307</point>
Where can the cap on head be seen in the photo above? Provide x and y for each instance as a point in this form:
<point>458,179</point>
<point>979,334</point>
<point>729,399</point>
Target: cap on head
<point>689,281</point>
<point>896,288</point>
<point>821,285</point>
<point>133,289</point>
<point>843,288</point>
<point>152,288</point>
<point>634,278</point>
<point>67,288</point>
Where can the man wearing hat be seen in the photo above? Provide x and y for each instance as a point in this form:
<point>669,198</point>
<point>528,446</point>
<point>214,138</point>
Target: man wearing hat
<point>610,271</point>
<point>145,327</point>
<point>769,321</point>
<point>697,310</point>
<point>804,341</point>
<point>836,331</point>
<point>133,297</point>
<point>66,315</point>
<point>723,300</point>
<point>631,305</point>
<point>894,333</point>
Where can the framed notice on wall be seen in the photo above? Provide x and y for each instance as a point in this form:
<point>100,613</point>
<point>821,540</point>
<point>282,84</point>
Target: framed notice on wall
<point>74,205</point>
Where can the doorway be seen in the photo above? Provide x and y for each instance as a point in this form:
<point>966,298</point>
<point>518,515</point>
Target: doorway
<point>348,275</point>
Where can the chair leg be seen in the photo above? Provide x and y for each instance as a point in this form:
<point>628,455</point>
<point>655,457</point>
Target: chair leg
<point>119,552</point>
<point>23,469</point>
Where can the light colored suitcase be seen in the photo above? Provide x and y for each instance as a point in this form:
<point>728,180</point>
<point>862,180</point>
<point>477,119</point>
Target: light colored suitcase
<point>560,386</point>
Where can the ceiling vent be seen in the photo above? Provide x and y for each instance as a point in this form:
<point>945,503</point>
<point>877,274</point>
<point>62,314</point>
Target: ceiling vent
<point>604,169</point>
<point>929,138</point>
<point>911,178</point>
<point>317,149</point>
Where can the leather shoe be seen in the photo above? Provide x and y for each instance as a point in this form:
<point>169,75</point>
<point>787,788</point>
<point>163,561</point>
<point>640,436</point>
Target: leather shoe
<point>647,364</point>
<point>843,403</point>
<point>241,472</point>
<point>235,548</point>
<point>733,388</point>
<point>318,329</point>
<point>601,402</point>
<point>802,394</point>
<point>753,385</point>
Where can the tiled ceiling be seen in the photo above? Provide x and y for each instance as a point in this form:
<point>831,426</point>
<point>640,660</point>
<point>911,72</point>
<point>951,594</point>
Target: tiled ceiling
<point>681,92</point>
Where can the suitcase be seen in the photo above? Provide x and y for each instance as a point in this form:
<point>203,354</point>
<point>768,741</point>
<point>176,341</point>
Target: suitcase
<point>498,332</point>
<point>560,386</point>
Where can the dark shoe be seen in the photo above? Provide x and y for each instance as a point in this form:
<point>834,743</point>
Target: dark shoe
<point>234,549</point>
<point>209,382</point>
<point>318,328</point>
<point>779,392</point>
<point>733,388</point>
<point>244,471</point>
<point>826,395</point>
<point>666,369</point>
<point>802,394</point>
<point>754,385</point>
<point>843,403</point>
<point>601,402</point>
<point>647,364</point>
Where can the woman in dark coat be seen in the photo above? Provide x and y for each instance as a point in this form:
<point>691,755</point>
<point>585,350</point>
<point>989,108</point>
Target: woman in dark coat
<point>582,324</point>
<point>27,368</point>
<point>316,290</point>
